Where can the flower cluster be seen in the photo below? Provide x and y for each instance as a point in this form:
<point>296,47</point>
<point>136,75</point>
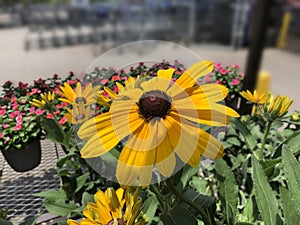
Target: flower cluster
<point>19,123</point>
<point>229,76</point>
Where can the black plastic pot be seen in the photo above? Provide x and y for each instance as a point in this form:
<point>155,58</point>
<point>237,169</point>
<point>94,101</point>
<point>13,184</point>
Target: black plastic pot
<point>22,160</point>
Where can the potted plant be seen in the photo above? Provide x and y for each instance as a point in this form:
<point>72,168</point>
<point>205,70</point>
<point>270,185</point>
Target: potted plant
<point>20,134</point>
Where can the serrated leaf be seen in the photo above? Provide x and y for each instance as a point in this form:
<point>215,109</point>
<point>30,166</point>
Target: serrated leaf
<point>228,190</point>
<point>289,210</point>
<point>178,216</point>
<point>265,198</point>
<point>291,168</point>
<point>249,139</point>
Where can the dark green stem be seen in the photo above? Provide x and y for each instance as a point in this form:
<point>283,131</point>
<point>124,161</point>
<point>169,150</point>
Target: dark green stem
<point>159,197</point>
<point>267,130</point>
<point>206,218</point>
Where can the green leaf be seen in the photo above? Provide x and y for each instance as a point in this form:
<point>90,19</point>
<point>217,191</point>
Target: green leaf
<point>150,207</point>
<point>243,223</point>
<point>249,139</point>
<point>5,222</point>
<point>62,222</point>
<point>53,130</point>
<point>30,221</point>
<point>292,141</point>
<point>291,168</point>
<point>178,216</point>
<point>290,213</point>
<point>51,194</point>
<point>80,181</point>
<point>228,190</point>
<point>233,141</point>
<point>86,198</point>
<point>203,201</point>
<point>187,173</point>
<point>265,198</point>
<point>59,207</point>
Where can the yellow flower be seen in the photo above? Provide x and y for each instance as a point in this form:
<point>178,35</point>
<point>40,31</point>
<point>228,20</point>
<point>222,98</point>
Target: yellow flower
<point>78,95</point>
<point>157,122</point>
<point>79,114</point>
<point>277,107</point>
<point>112,207</point>
<point>295,116</point>
<point>46,98</point>
<point>256,97</point>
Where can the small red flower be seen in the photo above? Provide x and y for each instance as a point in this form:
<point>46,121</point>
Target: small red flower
<point>18,127</point>
<point>223,71</point>
<point>5,125</point>
<point>104,81</point>
<point>39,112</point>
<point>63,120</point>
<point>1,135</point>
<point>49,116</point>
<point>115,78</point>
<point>235,82</point>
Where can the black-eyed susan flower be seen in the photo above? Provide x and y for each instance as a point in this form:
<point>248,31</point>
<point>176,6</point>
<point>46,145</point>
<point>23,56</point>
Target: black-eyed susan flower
<point>277,107</point>
<point>79,114</point>
<point>78,95</point>
<point>158,124</point>
<point>113,208</point>
<point>46,98</point>
<point>256,98</point>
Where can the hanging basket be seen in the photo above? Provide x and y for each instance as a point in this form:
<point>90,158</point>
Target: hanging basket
<point>22,160</point>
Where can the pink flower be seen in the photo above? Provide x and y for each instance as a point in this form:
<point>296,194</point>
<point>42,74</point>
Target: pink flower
<point>23,100</point>
<point>235,82</point>
<point>14,99</point>
<point>242,74</point>
<point>2,112</point>
<point>116,89</point>
<point>39,112</point>
<point>124,78</point>
<point>105,94</point>
<point>65,104</point>
<point>19,119</point>
<point>207,78</point>
<point>35,91</point>
<point>104,81</point>
<point>63,120</point>
<point>115,78</point>
<point>236,66</point>
<point>218,66</point>
<point>223,71</point>
<point>18,127</point>
<point>49,116</point>
<point>1,135</point>
<point>177,72</point>
<point>15,106</point>
<point>218,82</point>
<point>6,139</point>
<point>70,82</point>
<point>5,125</point>
<point>56,112</point>
<point>31,110</point>
<point>59,106</point>
<point>12,115</point>
<point>57,91</point>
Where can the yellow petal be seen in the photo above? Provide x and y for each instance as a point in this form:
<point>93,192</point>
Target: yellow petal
<point>190,76</point>
<point>127,175</point>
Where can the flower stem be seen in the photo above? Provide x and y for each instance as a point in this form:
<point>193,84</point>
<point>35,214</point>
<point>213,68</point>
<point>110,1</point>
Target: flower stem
<point>206,218</point>
<point>267,130</point>
<point>160,199</point>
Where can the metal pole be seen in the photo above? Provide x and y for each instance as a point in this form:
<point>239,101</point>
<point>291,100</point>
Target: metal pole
<point>259,25</point>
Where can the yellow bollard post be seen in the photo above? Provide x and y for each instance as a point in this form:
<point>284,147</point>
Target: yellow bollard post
<point>281,42</point>
<point>263,82</point>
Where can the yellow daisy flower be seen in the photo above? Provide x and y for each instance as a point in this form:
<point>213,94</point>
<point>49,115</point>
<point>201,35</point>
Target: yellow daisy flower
<point>79,114</point>
<point>277,107</point>
<point>158,123</point>
<point>112,207</point>
<point>46,98</point>
<point>256,97</point>
<point>78,95</point>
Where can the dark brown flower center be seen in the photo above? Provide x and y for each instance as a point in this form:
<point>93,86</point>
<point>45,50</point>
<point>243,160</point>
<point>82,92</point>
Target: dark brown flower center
<point>154,104</point>
<point>120,222</point>
<point>80,99</point>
